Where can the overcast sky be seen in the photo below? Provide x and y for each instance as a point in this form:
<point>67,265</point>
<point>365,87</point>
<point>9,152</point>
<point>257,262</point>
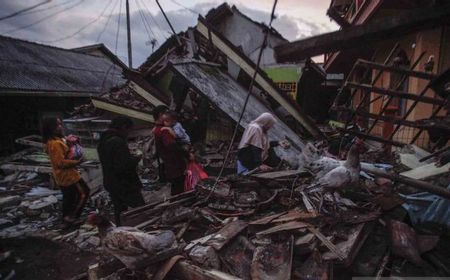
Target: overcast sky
<point>75,23</point>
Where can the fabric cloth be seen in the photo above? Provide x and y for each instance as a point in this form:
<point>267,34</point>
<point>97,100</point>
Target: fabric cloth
<point>177,185</point>
<point>250,157</point>
<point>169,151</point>
<point>121,202</point>
<point>180,133</point>
<point>119,166</point>
<point>255,134</point>
<point>194,174</point>
<point>428,208</point>
<point>64,171</point>
<point>241,169</point>
<point>75,197</point>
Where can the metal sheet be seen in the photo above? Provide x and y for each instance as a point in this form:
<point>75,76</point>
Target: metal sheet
<point>227,95</point>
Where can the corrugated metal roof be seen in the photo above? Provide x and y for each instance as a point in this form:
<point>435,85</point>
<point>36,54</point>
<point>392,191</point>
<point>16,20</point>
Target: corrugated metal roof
<point>27,66</point>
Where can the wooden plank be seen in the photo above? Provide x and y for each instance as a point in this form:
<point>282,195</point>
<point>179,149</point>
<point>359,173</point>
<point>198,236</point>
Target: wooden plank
<point>372,137</point>
<point>273,261</point>
<point>278,174</point>
<point>225,234</point>
<point>421,185</point>
<point>283,227</point>
<point>333,248</point>
<point>32,140</point>
<point>145,94</point>
<point>367,89</point>
<point>122,110</point>
<point>184,270</point>
<point>390,68</point>
<point>366,34</point>
<point>261,79</point>
<point>425,171</point>
<point>30,168</point>
<point>267,219</point>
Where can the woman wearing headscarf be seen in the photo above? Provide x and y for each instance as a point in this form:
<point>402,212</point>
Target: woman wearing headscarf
<point>254,148</point>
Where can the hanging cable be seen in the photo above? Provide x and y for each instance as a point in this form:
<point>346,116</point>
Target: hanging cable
<point>44,18</point>
<point>155,22</point>
<point>236,128</point>
<point>24,10</point>
<point>82,28</point>
<point>184,7</point>
<point>107,21</point>
<point>45,9</point>
<point>112,67</point>
<point>147,27</point>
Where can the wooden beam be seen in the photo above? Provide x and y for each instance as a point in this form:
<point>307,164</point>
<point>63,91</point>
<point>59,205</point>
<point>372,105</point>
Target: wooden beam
<point>261,78</point>
<point>372,137</point>
<point>373,65</point>
<point>364,35</point>
<point>394,93</point>
<point>421,185</point>
<point>145,94</point>
<point>186,271</point>
<point>122,110</point>
<point>385,118</point>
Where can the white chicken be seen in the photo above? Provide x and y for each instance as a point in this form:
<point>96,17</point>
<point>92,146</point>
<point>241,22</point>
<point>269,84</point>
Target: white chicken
<point>130,245</point>
<point>345,175</point>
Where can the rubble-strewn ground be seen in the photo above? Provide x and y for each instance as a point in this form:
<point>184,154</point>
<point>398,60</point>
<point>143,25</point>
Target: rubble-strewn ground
<point>39,258</point>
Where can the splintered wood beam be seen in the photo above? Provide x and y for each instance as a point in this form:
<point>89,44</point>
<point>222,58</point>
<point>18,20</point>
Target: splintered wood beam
<point>363,35</point>
<point>249,67</point>
<point>373,65</point>
<point>372,137</point>
<point>384,118</point>
<point>145,94</point>
<point>187,271</point>
<point>421,185</point>
<point>394,93</point>
<point>132,113</point>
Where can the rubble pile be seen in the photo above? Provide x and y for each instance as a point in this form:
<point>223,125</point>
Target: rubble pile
<point>127,97</point>
<point>273,226</point>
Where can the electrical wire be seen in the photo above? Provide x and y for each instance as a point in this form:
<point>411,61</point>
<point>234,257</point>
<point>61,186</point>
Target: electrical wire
<point>236,128</point>
<point>184,7</point>
<point>44,18</point>
<point>24,10</point>
<point>163,35</point>
<point>115,48</point>
<point>107,21</point>
<point>82,28</point>
<point>46,9</point>
<point>147,27</point>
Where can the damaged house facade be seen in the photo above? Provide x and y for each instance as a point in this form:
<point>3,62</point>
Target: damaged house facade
<point>38,81</point>
<point>395,84</point>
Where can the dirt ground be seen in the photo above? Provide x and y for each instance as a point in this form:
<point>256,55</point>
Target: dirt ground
<point>37,258</point>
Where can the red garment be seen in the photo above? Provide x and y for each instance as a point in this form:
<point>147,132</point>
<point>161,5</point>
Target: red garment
<point>194,174</point>
<point>173,158</point>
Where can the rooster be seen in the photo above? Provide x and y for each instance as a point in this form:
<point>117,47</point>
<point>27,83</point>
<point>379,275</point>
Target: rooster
<point>342,176</point>
<point>130,245</point>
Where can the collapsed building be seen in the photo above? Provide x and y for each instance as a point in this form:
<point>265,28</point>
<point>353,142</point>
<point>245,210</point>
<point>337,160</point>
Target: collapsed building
<point>286,224</point>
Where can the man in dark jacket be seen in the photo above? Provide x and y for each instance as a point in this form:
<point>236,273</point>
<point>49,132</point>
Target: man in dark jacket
<point>120,178</point>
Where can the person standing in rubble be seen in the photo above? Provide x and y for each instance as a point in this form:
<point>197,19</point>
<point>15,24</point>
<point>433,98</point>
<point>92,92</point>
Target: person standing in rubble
<point>120,176</point>
<point>254,150</point>
<point>74,189</point>
<point>173,157</point>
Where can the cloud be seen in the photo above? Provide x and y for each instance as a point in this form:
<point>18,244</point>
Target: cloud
<point>64,24</point>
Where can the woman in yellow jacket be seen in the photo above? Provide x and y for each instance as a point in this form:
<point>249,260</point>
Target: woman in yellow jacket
<point>74,189</point>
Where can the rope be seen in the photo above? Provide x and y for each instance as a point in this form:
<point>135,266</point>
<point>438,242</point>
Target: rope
<point>263,46</point>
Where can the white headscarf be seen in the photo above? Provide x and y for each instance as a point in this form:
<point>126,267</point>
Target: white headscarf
<point>255,134</point>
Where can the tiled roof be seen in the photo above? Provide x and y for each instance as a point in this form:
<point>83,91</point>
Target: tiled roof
<point>31,67</point>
